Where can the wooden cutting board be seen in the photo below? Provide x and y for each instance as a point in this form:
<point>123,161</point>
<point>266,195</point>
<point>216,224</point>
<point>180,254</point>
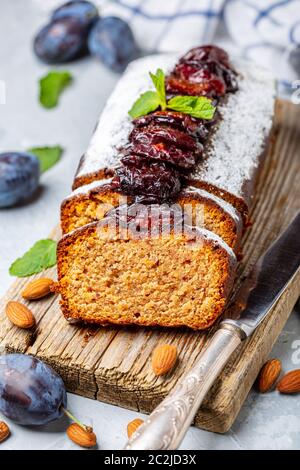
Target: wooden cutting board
<point>113,364</point>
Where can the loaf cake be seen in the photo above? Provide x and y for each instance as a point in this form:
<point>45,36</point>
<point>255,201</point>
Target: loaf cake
<point>204,169</point>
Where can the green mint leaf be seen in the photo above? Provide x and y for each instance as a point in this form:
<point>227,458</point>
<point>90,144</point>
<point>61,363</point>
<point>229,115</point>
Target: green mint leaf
<point>158,80</point>
<point>147,102</point>
<point>196,106</point>
<point>203,109</point>
<point>51,86</point>
<point>182,103</point>
<point>41,255</point>
<point>48,156</point>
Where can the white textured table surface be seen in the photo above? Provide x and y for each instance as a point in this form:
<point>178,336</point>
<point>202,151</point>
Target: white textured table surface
<point>266,421</point>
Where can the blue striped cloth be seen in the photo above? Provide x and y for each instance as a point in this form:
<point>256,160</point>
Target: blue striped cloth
<point>168,25</point>
<point>267,31</point>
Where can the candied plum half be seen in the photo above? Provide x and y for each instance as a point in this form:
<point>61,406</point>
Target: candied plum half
<point>206,66</point>
<point>180,121</point>
<point>164,152</point>
<point>206,53</point>
<point>230,78</point>
<point>147,181</point>
<point>198,73</point>
<point>152,135</point>
<point>212,88</point>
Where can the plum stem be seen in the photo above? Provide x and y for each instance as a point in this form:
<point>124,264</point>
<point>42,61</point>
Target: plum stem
<point>67,413</point>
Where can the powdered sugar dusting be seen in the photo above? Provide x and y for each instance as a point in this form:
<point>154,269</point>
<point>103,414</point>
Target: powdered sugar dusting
<point>115,124</point>
<point>208,235</point>
<point>236,147</point>
<point>226,206</point>
<point>88,187</point>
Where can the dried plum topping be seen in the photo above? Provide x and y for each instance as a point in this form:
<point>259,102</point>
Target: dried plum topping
<point>230,78</point>
<point>212,88</point>
<point>206,54</point>
<point>164,146</point>
<point>152,135</point>
<point>180,121</point>
<point>204,70</point>
<point>147,181</point>
<point>185,159</point>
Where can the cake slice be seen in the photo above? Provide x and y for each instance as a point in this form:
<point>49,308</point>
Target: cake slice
<point>90,203</point>
<point>115,271</point>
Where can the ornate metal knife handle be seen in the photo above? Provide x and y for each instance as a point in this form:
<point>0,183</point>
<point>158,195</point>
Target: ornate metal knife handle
<point>166,426</point>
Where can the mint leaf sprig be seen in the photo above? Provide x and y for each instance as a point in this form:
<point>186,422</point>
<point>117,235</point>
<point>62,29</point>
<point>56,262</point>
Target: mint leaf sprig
<point>196,106</point>
<point>47,156</point>
<point>158,80</point>
<point>40,256</point>
<point>51,87</point>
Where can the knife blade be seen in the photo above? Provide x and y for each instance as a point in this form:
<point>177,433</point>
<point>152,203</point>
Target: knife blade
<point>165,428</point>
<point>268,279</point>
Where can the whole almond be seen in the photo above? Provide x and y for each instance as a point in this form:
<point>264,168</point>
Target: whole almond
<point>20,315</point>
<point>4,431</point>
<point>268,375</point>
<point>163,359</point>
<point>38,288</point>
<point>83,437</point>
<point>133,425</point>
<point>290,382</point>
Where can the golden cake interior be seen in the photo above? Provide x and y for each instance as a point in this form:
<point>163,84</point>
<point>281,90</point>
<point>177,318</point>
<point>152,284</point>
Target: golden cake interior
<point>169,280</point>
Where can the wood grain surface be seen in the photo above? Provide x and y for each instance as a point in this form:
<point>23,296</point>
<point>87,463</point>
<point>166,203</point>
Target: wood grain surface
<point>113,364</point>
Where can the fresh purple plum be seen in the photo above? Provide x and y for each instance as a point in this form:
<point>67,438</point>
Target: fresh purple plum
<point>19,177</point>
<point>84,11</point>
<point>31,392</point>
<point>61,41</point>
<point>111,40</point>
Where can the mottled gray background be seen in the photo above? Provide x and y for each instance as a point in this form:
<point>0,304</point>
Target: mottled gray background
<point>266,421</point>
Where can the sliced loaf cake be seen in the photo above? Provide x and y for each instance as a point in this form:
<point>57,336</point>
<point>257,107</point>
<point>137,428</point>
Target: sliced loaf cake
<point>116,264</point>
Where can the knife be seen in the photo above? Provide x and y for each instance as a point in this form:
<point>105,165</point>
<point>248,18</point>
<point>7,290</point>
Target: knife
<point>167,425</point>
